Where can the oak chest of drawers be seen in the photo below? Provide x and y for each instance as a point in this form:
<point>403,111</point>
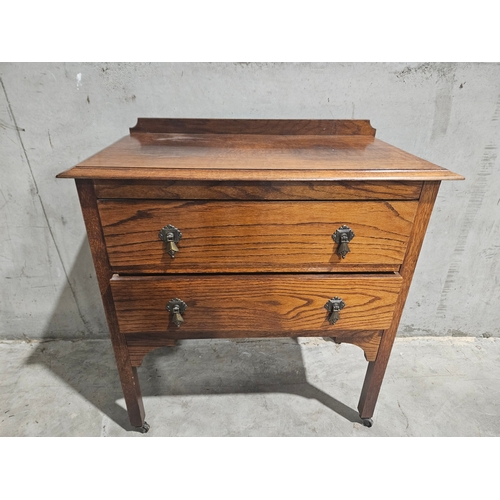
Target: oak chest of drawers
<point>254,228</point>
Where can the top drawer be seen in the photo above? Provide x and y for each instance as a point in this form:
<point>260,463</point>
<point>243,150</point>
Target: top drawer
<point>255,236</point>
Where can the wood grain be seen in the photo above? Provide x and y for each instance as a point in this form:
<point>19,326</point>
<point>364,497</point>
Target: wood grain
<point>269,175</point>
<point>254,196</point>
<point>128,373</point>
<point>218,190</point>
<point>254,305</point>
<point>254,236</point>
<point>243,157</point>
<point>242,126</point>
<point>376,370</point>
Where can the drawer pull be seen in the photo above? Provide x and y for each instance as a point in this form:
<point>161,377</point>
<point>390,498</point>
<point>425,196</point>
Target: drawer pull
<point>171,236</point>
<point>177,308</point>
<point>342,236</point>
<point>333,306</point>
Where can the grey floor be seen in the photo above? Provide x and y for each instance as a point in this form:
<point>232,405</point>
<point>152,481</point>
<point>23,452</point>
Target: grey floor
<point>305,387</point>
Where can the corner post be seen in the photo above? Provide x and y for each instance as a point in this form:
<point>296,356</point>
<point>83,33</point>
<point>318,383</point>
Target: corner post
<point>376,369</point>
<point>128,373</point>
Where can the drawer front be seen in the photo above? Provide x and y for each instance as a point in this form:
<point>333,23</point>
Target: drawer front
<point>267,305</point>
<point>271,236</point>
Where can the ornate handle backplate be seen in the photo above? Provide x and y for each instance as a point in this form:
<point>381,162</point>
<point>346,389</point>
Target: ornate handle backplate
<point>333,306</point>
<point>342,236</point>
<point>171,236</point>
<point>177,308</point>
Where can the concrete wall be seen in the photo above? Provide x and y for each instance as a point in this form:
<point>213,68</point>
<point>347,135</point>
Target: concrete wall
<point>54,115</point>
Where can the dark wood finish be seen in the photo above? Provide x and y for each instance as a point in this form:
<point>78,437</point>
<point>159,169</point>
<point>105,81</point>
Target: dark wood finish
<point>128,373</point>
<point>376,369</point>
<point>251,236</point>
<point>259,127</point>
<point>258,199</point>
<point>189,190</point>
<point>254,305</point>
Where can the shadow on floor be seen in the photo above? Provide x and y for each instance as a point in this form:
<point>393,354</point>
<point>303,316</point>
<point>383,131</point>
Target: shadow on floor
<point>191,368</point>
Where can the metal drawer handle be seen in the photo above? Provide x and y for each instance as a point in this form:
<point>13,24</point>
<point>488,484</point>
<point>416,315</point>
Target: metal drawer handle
<point>333,306</point>
<point>170,235</point>
<point>177,308</point>
<point>342,236</point>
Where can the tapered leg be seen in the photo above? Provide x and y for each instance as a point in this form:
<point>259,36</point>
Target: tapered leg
<point>376,369</point>
<point>132,394</point>
<point>128,373</point>
<point>371,386</point>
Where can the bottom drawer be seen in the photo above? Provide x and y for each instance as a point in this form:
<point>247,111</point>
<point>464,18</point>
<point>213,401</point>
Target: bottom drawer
<point>264,305</point>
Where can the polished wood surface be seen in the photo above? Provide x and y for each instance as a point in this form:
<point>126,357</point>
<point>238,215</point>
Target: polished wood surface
<point>192,190</point>
<point>157,155</point>
<point>255,236</point>
<point>257,202</point>
<point>254,305</point>
<point>269,175</point>
<point>270,152</point>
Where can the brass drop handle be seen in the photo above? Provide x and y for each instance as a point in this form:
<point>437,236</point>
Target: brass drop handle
<point>342,236</point>
<point>333,306</point>
<point>177,308</point>
<point>171,236</point>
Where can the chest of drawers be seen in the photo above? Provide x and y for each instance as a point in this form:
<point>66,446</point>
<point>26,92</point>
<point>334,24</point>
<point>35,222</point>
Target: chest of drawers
<point>254,228</point>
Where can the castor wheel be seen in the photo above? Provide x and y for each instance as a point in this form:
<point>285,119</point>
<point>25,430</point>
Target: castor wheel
<point>367,422</point>
<point>144,428</point>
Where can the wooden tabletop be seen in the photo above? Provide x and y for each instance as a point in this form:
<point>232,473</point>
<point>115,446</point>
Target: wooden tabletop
<point>291,150</point>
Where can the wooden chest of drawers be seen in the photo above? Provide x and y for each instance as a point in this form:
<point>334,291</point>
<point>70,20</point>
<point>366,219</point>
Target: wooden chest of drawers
<point>254,228</point>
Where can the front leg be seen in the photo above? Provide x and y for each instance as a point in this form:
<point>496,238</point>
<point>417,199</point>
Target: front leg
<point>374,377</point>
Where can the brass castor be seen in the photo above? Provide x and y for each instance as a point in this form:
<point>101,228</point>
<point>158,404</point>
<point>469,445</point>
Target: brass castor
<point>145,428</point>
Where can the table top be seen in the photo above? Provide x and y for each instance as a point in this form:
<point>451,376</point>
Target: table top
<point>234,150</point>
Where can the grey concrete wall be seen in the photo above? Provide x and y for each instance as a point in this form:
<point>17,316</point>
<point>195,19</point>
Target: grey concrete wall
<point>54,115</point>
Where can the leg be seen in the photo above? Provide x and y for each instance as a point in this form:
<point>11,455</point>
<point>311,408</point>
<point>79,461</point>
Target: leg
<point>371,387</point>
<point>375,375</point>
<point>376,369</point>
<point>131,391</point>
<point>128,373</point>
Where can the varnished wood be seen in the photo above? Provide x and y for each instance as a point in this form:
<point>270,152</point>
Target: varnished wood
<point>254,305</point>
<point>191,190</point>
<point>254,198</point>
<point>127,372</point>
<point>252,126</point>
<point>376,369</point>
<point>255,236</point>
<point>268,175</point>
<point>243,157</point>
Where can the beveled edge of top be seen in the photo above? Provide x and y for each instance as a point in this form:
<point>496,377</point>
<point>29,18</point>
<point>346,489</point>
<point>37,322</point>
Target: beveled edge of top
<point>258,127</point>
<point>181,174</point>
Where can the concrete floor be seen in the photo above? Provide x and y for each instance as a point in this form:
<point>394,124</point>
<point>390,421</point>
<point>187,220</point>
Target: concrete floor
<point>310,387</point>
